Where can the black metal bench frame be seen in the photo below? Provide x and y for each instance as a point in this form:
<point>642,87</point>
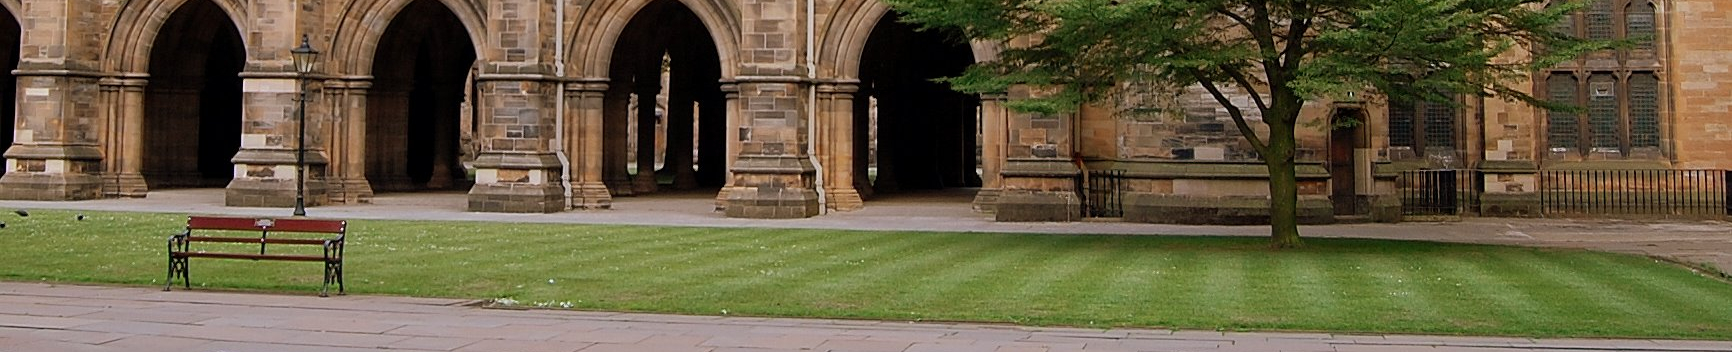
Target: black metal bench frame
<point>179,245</point>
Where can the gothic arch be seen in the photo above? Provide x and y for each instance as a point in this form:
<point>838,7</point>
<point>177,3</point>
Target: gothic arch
<point>135,30</point>
<point>600,25</point>
<point>357,37</point>
<point>845,38</point>
<point>12,7</point>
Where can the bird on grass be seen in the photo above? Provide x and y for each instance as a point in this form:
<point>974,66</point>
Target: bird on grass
<point>22,212</point>
<point>81,217</point>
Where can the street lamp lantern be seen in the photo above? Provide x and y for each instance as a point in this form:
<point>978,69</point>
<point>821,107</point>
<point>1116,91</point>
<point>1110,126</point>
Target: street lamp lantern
<point>305,58</point>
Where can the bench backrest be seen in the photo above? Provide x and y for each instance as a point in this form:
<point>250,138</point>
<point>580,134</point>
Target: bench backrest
<point>266,224</point>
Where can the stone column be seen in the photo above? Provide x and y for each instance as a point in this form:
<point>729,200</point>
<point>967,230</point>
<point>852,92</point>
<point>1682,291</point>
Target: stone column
<point>1039,175</point>
<point>123,136</point>
<point>348,99</point>
<point>992,148</point>
<point>647,120</point>
<point>265,169</point>
<point>584,142</point>
<point>616,106</point>
<point>773,175</point>
<point>836,143</point>
<point>517,171</point>
<point>680,132</point>
<point>54,153</point>
<point>734,131</point>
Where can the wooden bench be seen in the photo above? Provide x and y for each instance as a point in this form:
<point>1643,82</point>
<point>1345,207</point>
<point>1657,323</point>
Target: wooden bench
<point>209,229</point>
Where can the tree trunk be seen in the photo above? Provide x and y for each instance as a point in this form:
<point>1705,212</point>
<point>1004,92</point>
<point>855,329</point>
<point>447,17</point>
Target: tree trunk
<point>1283,187</point>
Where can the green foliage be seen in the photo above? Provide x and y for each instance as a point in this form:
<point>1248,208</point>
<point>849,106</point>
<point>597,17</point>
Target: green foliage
<point>1279,53</point>
<point>1341,285</point>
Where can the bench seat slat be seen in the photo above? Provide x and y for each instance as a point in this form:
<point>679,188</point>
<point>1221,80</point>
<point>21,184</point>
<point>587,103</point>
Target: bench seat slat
<point>303,258</point>
<point>255,240</point>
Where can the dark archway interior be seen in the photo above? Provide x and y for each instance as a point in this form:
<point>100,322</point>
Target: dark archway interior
<point>415,108</point>
<point>9,40</point>
<point>192,105</point>
<point>925,132</point>
<point>666,60</point>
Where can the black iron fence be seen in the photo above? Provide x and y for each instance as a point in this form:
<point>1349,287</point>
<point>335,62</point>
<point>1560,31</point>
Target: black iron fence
<point>1102,193</point>
<point>1439,192</point>
<point>1634,192</point>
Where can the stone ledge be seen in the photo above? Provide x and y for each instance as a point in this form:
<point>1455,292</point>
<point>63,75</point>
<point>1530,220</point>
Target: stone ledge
<point>517,198</point>
<point>1197,210</point>
<point>1030,206</point>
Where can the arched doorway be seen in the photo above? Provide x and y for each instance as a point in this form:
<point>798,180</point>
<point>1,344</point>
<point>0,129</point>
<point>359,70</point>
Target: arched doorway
<point>666,114</point>
<point>192,105</point>
<point>912,133</point>
<point>416,125</point>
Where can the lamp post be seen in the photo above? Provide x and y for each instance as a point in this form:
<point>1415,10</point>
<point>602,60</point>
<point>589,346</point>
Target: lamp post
<point>305,57</point>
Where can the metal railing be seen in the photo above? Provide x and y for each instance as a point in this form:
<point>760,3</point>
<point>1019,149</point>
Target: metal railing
<point>1660,192</point>
<point>1439,192</point>
<point>1102,193</point>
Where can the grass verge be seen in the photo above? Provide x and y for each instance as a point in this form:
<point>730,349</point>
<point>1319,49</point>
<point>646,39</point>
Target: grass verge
<point>1342,285</point>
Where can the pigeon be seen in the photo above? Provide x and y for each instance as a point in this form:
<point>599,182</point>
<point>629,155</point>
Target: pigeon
<point>2,224</point>
<point>80,217</point>
<point>22,212</point>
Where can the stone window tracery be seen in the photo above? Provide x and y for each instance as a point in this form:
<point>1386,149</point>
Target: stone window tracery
<point>1619,91</point>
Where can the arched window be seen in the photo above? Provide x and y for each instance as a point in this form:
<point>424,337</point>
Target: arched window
<point>1424,127</point>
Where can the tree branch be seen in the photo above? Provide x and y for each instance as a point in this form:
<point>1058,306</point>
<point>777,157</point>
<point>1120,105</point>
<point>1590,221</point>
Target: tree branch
<point>1233,110</point>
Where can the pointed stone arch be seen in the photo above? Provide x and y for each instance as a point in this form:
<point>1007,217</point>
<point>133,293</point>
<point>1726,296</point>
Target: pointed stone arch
<point>356,39</point>
<point>601,25</point>
<point>844,41</point>
<point>135,30</point>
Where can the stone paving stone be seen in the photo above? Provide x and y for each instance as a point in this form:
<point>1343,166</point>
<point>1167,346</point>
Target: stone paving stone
<point>44,310</point>
<point>337,325</point>
<point>603,336</point>
<point>673,340</point>
<point>768,342</point>
<point>525,333</point>
<point>131,327</point>
<point>232,346</point>
<point>950,347</point>
<point>863,346</point>
<point>1021,349</point>
<point>26,321</point>
<point>156,343</point>
<point>56,346</point>
<point>614,347</point>
<point>523,346</point>
<point>84,337</point>
<point>345,339</point>
<point>432,343</point>
<point>157,316</point>
<point>249,321</point>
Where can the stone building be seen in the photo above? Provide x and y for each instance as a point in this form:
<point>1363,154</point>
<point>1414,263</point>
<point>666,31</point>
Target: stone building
<point>529,105</point>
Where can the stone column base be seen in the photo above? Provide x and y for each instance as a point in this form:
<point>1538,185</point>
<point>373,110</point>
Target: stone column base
<point>591,195</point>
<point>1384,208</point>
<point>36,172</point>
<point>517,183</point>
<point>772,187</point>
<point>844,199</point>
<point>722,197</point>
<point>266,178</point>
<point>986,200</point>
<point>1226,210</point>
<point>124,186</point>
<point>644,183</point>
<point>351,191</point>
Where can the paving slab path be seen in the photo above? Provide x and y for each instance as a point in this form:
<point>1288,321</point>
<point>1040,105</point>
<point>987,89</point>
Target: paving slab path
<point>37,317</point>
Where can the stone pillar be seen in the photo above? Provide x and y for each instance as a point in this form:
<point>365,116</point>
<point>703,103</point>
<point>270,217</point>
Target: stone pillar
<point>773,177</point>
<point>265,169</point>
<point>517,171</point>
<point>735,135</point>
<point>836,144</point>
<point>54,153</point>
<point>992,148</point>
<point>1039,175</point>
<point>348,145</point>
<point>616,106</point>
<point>584,142</point>
<point>647,120</point>
<point>1511,159</point>
<point>124,98</point>
<point>680,132</point>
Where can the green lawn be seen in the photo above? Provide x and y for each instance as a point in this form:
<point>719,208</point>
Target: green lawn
<point>1095,281</point>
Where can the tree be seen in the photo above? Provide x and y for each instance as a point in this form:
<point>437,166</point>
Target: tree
<point>1280,53</point>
